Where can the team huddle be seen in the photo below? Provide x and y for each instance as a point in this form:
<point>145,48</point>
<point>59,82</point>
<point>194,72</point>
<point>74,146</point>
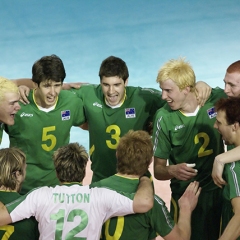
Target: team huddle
<point>183,128</point>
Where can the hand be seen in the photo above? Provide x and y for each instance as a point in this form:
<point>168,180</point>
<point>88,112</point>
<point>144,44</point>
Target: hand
<point>24,91</point>
<point>189,199</point>
<point>202,91</point>
<point>217,172</point>
<point>183,171</point>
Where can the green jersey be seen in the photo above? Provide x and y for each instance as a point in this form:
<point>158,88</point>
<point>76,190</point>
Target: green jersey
<point>136,226</point>
<point>230,191</point>
<point>38,134</point>
<point>107,125</point>
<point>189,139</point>
<point>26,229</point>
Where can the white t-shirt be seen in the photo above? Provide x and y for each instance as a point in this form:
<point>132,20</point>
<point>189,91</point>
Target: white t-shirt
<point>70,210</point>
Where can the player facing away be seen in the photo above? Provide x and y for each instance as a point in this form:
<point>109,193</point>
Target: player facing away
<point>12,174</point>
<point>183,134</point>
<point>228,124</point>
<point>9,97</point>
<point>70,210</point>
<point>44,125</point>
<point>134,154</point>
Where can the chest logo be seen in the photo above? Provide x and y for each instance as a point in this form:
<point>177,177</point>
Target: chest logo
<point>130,113</point>
<point>65,115</point>
<point>211,113</point>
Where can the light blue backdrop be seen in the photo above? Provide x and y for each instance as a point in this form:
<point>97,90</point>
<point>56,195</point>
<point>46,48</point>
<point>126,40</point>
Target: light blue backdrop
<point>145,33</point>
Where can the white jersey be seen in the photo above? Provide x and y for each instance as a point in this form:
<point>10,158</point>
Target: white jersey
<point>70,211</point>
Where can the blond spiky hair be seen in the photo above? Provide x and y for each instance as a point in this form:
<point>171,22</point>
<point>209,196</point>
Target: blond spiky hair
<point>6,86</point>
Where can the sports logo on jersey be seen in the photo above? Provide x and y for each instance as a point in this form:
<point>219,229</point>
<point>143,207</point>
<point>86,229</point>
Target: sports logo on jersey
<point>130,113</point>
<point>211,113</point>
<point>23,114</point>
<point>65,115</point>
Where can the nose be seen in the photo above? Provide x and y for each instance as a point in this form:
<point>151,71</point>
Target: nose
<point>164,95</point>
<point>226,88</point>
<point>52,91</point>
<point>17,106</point>
<point>111,89</point>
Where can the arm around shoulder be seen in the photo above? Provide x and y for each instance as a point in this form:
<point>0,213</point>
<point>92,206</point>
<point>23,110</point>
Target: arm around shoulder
<point>144,197</point>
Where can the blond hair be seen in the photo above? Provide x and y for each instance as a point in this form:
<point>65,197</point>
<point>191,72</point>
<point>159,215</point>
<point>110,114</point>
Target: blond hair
<point>179,71</point>
<point>7,86</point>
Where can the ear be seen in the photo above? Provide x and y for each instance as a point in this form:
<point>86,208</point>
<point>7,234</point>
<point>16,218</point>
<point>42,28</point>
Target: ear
<point>126,82</point>
<point>235,126</point>
<point>35,85</point>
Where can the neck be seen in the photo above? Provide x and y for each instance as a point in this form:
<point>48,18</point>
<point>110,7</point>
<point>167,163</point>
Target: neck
<point>190,104</point>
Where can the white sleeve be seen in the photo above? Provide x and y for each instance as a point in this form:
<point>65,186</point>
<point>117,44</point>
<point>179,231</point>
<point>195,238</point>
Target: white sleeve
<point>115,204</point>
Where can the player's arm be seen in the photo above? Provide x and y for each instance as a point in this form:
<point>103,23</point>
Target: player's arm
<point>24,81</point>
<point>232,231</point>
<point>202,91</point>
<point>187,203</point>
<point>218,164</point>
<point>144,196</point>
<point>4,215</point>
<point>181,171</point>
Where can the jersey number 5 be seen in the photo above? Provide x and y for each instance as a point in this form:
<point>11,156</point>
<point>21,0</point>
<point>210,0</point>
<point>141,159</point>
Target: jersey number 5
<point>50,138</point>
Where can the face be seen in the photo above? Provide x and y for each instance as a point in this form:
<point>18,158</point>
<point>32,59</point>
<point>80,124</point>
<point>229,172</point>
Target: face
<point>172,94</point>
<point>47,92</point>
<point>113,89</point>
<point>232,84</point>
<point>223,128</point>
<point>9,107</point>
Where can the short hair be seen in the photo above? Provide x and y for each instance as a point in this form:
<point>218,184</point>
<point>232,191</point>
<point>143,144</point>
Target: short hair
<point>7,86</point>
<point>11,161</point>
<point>134,153</point>
<point>234,67</point>
<point>179,71</point>
<point>113,66</point>
<point>48,68</point>
<point>70,162</point>
<point>231,108</point>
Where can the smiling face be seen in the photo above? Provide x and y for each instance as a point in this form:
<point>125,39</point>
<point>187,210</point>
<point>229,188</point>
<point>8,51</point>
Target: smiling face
<point>172,94</point>
<point>223,127</point>
<point>47,92</point>
<point>113,89</point>
<point>8,107</point>
<point>232,84</point>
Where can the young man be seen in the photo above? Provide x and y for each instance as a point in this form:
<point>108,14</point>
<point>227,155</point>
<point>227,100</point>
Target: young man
<point>44,125</point>
<point>12,174</point>
<point>232,89</point>
<point>71,210</point>
<point>134,154</point>
<point>183,134</point>
<point>9,97</point>
<point>228,125</point>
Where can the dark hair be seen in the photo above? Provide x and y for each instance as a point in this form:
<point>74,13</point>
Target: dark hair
<point>113,66</point>
<point>48,68</point>
<point>70,162</point>
<point>231,107</point>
